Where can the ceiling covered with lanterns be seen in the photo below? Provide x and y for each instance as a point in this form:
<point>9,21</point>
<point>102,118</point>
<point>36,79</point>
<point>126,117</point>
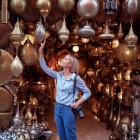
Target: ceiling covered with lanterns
<point>101,33</point>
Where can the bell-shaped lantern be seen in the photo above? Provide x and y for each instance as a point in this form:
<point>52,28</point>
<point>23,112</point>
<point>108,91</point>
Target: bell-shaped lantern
<point>131,39</point>
<point>17,35</point>
<point>64,32</point>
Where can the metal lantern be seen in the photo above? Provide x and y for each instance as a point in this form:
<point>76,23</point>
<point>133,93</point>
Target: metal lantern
<point>16,66</point>
<point>17,35</point>
<point>40,32</point>
<point>131,39</point>
<point>44,7</point>
<point>127,55</point>
<point>64,32</point>
<point>132,6</point>
<point>66,5</point>
<point>107,34</point>
<point>86,31</point>
<point>109,6</point>
<point>18,6</point>
<point>87,8</point>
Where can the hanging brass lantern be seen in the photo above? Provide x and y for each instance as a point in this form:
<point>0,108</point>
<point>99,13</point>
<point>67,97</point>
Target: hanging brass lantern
<point>44,7</point>
<point>131,39</point>
<point>16,66</point>
<point>18,6</point>
<point>86,31</point>
<point>107,34</point>
<point>127,55</point>
<point>66,5</point>
<point>28,54</point>
<point>40,32</point>
<point>17,35</point>
<point>64,32</point>
<point>5,61</point>
<point>108,8</point>
<point>132,6</point>
<point>87,8</point>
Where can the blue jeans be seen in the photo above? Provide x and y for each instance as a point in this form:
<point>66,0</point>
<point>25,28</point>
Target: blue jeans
<point>65,122</point>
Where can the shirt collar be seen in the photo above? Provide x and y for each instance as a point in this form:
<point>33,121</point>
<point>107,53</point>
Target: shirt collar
<point>72,76</point>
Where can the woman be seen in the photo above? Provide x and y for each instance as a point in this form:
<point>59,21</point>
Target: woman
<point>63,113</point>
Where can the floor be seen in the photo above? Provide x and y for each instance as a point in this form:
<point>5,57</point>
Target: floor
<point>88,128</point>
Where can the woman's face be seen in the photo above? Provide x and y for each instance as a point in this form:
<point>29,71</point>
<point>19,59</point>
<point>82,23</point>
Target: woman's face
<point>65,62</point>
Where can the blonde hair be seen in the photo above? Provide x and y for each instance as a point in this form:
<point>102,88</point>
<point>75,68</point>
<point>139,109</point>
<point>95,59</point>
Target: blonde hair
<point>74,63</point>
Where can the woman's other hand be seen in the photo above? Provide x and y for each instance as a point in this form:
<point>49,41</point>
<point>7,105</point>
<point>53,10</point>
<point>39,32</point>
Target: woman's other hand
<point>74,105</point>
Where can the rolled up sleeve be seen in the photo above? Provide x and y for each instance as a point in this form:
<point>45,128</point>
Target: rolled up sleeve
<point>83,87</point>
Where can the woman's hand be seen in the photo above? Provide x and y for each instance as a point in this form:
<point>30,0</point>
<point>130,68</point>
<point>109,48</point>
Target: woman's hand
<point>77,103</point>
<point>74,105</point>
<point>42,45</point>
<point>41,48</point>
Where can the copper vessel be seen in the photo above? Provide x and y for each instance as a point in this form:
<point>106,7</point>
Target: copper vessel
<point>6,100</point>
<point>5,120</point>
<point>5,61</point>
<point>28,54</point>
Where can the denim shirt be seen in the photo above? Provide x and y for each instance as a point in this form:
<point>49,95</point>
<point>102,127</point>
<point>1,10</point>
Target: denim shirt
<point>64,87</point>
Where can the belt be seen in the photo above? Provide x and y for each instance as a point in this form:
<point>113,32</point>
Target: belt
<point>57,103</point>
